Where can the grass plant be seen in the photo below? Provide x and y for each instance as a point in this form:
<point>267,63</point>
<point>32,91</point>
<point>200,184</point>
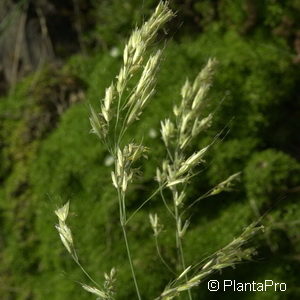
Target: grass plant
<point>122,105</point>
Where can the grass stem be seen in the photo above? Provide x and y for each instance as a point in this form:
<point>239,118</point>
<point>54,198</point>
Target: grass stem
<point>130,261</point>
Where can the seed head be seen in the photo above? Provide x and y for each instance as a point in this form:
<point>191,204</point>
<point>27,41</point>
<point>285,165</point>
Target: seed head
<point>94,291</point>
<point>62,213</point>
<point>167,131</point>
<point>155,224</point>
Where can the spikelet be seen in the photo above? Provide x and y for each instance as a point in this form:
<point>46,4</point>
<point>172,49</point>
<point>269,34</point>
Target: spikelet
<point>64,231</point>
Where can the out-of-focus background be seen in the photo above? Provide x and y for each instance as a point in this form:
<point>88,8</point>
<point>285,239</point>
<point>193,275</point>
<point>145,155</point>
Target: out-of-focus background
<point>56,57</point>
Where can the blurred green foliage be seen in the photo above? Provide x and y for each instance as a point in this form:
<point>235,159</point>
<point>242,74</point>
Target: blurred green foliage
<point>270,173</point>
<point>49,157</point>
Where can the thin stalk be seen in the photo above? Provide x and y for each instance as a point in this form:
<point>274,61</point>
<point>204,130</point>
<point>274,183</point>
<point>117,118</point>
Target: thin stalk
<point>165,202</point>
<point>141,206</point>
<point>130,261</point>
<point>161,257</point>
<point>122,207</point>
<point>179,246</point>
<point>124,214</point>
<point>84,271</point>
